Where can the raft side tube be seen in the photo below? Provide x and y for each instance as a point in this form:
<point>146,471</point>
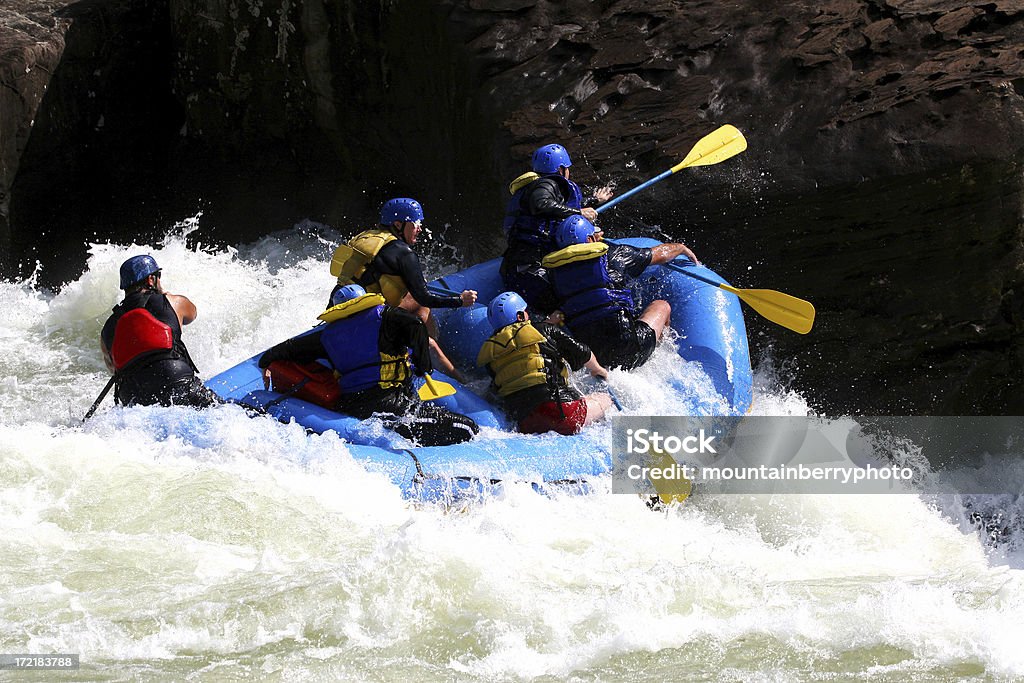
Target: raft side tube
<point>709,321</point>
<point>712,332</point>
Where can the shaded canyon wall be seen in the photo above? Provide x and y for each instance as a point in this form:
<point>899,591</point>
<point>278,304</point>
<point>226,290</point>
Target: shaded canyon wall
<point>882,181</point>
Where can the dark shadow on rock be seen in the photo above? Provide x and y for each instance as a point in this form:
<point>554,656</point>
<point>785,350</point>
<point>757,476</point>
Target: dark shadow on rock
<point>882,181</point>
<point>318,111</point>
<point>93,167</point>
<point>918,286</point>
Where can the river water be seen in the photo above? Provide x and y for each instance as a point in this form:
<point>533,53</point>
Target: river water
<point>165,543</point>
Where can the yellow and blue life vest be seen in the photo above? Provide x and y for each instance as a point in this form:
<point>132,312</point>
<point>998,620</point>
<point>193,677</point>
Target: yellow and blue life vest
<point>523,227</point>
<point>351,340</point>
<point>586,293</point>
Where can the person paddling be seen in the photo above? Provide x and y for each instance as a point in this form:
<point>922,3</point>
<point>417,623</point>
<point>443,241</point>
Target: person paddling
<point>370,345</point>
<point>541,200</point>
<point>528,363</point>
<point>382,261</point>
<point>142,345</point>
<point>592,282</point>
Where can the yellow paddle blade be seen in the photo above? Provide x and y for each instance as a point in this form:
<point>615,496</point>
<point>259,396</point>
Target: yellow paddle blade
<point>714,147</point>
<point>669,490</point>
<point>434,389</point>
<point>784,309</point>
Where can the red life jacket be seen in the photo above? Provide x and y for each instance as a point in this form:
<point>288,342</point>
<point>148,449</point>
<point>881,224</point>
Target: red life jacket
<point>139,333</point>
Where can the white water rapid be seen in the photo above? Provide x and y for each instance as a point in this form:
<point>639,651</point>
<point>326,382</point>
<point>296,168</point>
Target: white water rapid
<point>170,544</point>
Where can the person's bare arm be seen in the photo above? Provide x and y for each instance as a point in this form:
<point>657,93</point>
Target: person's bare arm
<point>663,253</point>
<point>596,369</point>
<point>107,359</point>
<point>185,309</point>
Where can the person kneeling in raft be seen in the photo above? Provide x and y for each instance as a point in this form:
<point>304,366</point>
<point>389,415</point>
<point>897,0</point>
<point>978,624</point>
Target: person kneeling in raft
<point>592,282</point>
<point>527,362</point>
<point>541,200</point>
<point>368,343</point>
<point>382,260</point>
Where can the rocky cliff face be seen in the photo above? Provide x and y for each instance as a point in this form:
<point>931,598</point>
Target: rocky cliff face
<point>882,180</point>
<point>88,125</point>
<point>828,92</point>
<point>31,43</point>
<point>331,107</point>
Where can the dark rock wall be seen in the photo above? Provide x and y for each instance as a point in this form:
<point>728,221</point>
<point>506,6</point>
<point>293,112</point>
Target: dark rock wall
<point>31,43</point>
<point>917,281</point>
<point>828,92</point>
<point>327,108</point>
<point>882,180</point>
<point>102,132</point>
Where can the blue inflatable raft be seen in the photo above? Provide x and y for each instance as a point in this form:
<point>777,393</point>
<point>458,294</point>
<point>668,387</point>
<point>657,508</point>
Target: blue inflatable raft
<point>711,332</point>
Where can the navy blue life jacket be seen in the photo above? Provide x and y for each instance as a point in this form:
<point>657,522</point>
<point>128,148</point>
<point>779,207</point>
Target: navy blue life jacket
<point>353,347</point>
<point>521,226</point>
<point>585,289</point>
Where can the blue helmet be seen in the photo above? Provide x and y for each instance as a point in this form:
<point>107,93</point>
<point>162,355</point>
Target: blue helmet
<point>574,230</point>
<point>548,158</point>
<point>504,309</point>
<point>346,293</point>
<point>400,209</point>
<point>136,269</point>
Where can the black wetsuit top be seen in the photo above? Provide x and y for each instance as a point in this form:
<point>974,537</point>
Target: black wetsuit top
<point>558,349</point>
<point>398,258</point>
<point>626,263</point>
<point>544,199</point>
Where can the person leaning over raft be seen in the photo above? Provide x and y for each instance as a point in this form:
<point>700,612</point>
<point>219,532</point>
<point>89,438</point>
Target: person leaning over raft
<point>541,200</point>
<point>141,342</point>
<point>368,342</point>
<point>528,364</point>
<point>381,260</point>
<point>592,281</point>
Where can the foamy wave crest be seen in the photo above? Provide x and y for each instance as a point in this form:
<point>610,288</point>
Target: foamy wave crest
<point>169,543</point>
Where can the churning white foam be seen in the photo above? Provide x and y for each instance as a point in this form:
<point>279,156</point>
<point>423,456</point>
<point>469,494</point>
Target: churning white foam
<point>166,542</point>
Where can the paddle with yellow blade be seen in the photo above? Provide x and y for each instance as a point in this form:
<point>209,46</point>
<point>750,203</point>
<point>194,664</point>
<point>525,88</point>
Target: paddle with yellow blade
<point>669,490</point>
<point>714,147</point>
<point>434,389</point>
<point>783,309</point>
